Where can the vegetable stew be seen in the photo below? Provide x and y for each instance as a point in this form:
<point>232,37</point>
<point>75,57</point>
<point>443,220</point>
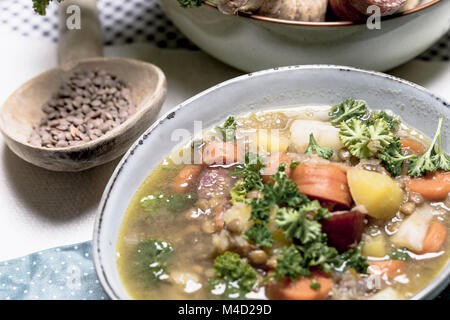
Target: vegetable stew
<point>294,203</point>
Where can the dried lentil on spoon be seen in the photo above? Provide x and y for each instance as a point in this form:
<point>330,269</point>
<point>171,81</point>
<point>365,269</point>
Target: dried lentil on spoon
<point>86,106</point>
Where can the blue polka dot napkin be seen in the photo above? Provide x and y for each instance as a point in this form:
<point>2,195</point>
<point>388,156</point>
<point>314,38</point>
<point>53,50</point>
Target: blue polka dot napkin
<point>63,273</point>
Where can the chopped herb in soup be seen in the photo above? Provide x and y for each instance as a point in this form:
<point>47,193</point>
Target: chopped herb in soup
<point>294,203</point>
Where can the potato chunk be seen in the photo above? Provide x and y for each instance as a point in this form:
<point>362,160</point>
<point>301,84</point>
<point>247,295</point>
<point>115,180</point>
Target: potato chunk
<point>271,141</point>
<point>374,246</point>
<point>378,193</point>
<point>413,230</point>
<point>239,211</point>
<point>325,134</point>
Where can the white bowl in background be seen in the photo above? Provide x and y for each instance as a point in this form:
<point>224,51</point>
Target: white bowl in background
<point>252,42</point>
<point>288,86</point>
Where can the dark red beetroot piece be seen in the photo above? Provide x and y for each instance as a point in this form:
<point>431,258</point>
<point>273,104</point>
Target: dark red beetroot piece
<point>344,229</point>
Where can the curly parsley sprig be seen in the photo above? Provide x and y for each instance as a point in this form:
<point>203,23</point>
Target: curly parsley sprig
<point>362,140</point>
<point>431,160</point>
<point>282,191</point>
<point>250,171</point>
<point>40,6</point>
<point>290,264</point>
<point>314,149</point>
<point>234,278</point>
<point>371,134</point>
<point>348,109</point>
<point>393,157</point>
<point>392,121</point>
<point>299,217</point>
<point>227,131</point>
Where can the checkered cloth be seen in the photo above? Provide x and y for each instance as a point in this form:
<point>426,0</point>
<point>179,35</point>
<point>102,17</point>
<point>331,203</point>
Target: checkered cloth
<point>123,22</point>
<point>131,21</point>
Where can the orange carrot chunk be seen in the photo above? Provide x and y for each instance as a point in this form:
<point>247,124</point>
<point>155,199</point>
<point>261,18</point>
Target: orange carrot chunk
<point>435,237</point>
<point>221,153</point>
<point>390,268</point>
<point>301,288</point>
<point>434,186</point>
<point>186,178</point>
<point>325,182</point>
<point>412,145</point>
<point>272,164</point>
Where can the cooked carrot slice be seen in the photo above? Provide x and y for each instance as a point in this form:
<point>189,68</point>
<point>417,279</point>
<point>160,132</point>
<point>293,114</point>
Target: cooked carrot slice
<point>435,237</point>
<point>390,268</point>
<point>434,186</point>
<point>412,145</point>
<point>301,289</point>
<point>186,178</point>
<point>273,162</point>
<point>325,182</point>
<point>221,153</point>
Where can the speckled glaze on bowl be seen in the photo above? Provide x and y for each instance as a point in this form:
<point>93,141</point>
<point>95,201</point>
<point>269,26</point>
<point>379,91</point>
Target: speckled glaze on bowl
<point>296,85</point>
<point>252,43</point>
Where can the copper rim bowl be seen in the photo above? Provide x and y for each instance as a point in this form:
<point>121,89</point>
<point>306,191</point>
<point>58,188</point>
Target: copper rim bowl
<point>252,42</point>
<point>420,7</point>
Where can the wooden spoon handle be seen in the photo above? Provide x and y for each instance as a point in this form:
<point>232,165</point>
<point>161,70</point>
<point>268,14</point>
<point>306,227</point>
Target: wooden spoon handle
<point>80,34</point>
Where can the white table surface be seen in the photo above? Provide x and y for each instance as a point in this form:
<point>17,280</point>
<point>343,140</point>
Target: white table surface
<point>40,209</point>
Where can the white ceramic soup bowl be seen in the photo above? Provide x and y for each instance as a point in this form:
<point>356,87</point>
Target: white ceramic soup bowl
<point>287,86</point>
<point>252,42</point>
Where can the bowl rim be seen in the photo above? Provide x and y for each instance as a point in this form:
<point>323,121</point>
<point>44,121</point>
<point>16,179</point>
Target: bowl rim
<point>158,94</point>
<point>257,17</point>
<point>430,291</point>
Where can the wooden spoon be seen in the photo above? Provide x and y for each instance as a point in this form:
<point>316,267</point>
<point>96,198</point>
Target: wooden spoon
<point>81,50</point>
